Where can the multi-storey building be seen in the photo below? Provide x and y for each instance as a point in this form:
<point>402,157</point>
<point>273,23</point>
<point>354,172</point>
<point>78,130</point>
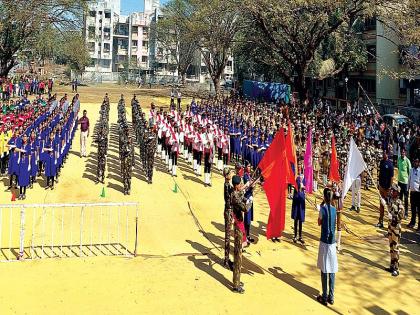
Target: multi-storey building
<point>124,44</point>
<point>99,30</point>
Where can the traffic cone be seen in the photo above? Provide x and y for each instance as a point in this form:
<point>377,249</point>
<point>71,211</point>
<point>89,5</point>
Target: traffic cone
<point>13,196</point>
<point>175,190</point>
<point>103,192</point>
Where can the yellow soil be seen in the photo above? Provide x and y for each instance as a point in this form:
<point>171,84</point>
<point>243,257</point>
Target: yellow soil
<point>178,270</point>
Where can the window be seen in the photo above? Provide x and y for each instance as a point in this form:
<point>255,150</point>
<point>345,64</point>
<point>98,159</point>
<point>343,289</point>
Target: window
<point>143,58</point>
<point>100,12</point>
<point>91,32</point>
<point>134,43</point>
<point>92,62</point>
<point>369,85</point>
<point>92,13</point>
<point>105,63</point>
<point>91,46</point>
<point>107,33</point>
<point>122,58</point>
<point>146,44</point>
<point>107,15</point>
<point>135,29</point>
<point>122,44</point>
<point>107,48</point>
<point>371,50</point>
<point>145,30</point>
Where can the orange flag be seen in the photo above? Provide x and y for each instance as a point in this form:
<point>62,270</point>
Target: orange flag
<point>290,146</point>
<point>291,156</point>
<point>334,175</point>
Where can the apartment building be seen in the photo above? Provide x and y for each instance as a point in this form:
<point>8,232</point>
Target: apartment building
<point>120,44</point>
<point>99,30</point>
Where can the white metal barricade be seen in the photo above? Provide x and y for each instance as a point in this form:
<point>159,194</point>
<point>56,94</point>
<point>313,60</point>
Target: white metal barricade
<point>36,231</point>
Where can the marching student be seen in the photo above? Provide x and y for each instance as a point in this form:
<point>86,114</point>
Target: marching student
<point>50,148</point>
<point>13,170</point>
<point>208,156</point>
<point>174,144</point>
<point>24,163</point>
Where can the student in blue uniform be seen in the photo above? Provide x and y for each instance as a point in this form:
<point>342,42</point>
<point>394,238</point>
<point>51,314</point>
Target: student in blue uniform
<point>24,166</point>
<point>34,142</point>
<point>298,209</point>
<point>50,149</point>
<point>13,170</point>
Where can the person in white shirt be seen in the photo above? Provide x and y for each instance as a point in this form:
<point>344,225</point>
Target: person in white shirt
<point>175,146</point>
<point>208,155</point>
<point>413,187</point>
<point>356,194</point>
<point>199,143</point>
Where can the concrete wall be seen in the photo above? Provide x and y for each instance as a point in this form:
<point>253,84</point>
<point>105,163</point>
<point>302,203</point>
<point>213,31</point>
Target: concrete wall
<point>387,88</point>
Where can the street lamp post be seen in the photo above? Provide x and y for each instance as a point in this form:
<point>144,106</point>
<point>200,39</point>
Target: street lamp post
<point>346,80</point>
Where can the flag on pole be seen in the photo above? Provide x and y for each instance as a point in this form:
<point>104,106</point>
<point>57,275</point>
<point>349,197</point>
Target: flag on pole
<point>273,166</point>
<point>334,166</point>
<point>291,149</point>
<point>355,166</point>
<point>307,162</point>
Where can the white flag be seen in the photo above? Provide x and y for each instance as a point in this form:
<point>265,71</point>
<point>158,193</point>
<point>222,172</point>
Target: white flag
<point>355,166</point>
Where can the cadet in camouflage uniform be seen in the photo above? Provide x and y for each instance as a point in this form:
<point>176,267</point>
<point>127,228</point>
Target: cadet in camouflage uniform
<point>102,140</point>
<point>150,149</point>
<point>125,147</point>
<point>227,213</point>
<point>395,215</point>
<point>238,208</point>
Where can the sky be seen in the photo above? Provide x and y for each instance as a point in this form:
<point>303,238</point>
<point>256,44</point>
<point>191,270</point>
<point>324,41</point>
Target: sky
<point>128,6</point>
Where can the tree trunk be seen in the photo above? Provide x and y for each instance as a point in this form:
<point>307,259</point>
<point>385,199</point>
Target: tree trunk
<point>216,83</point>
<point>300,84</point>
<point>5,66</point>
<point>183,78</point>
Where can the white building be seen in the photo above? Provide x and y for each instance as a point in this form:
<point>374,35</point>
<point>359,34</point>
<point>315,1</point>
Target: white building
<point>123,44</point>
<point>99,30</point>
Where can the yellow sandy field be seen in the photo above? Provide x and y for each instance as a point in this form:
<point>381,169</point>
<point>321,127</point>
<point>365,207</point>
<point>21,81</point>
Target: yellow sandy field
<point>180,246</point>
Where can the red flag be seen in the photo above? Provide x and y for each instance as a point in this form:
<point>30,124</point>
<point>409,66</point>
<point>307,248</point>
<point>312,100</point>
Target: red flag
<point>334,166</point>
<point>273,166</point>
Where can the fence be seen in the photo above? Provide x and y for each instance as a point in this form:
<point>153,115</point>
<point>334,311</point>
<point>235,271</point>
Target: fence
<point>68,230</point>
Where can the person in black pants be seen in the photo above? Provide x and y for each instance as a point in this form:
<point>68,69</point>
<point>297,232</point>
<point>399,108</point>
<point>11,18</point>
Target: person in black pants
<point>413,186</point>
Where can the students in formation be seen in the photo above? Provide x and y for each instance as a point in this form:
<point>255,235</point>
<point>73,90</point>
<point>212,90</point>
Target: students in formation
<point>35,138</point>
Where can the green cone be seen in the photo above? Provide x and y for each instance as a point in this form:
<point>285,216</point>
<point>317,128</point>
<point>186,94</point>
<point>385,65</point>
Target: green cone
<point>175,190</point>
<point>103,192</point>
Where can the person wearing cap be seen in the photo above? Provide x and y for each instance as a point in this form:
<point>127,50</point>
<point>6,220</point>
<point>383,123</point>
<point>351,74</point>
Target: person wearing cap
<point>395,215</point>
<point>404,166</point>
<point>413,186</point>
<point>249,195</point>
<point>227,214</point>
<point>386,175</point>
<point>238,203</point>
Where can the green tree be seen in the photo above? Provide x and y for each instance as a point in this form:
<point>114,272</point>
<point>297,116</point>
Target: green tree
<point>174,37</point>
<point>215,25</point>
<point>305,37</point>
<point>23,22</point>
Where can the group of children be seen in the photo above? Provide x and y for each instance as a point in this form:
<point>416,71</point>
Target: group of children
<point>35,140</point>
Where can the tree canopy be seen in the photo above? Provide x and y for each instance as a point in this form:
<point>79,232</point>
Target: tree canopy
<point>27,26</point>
